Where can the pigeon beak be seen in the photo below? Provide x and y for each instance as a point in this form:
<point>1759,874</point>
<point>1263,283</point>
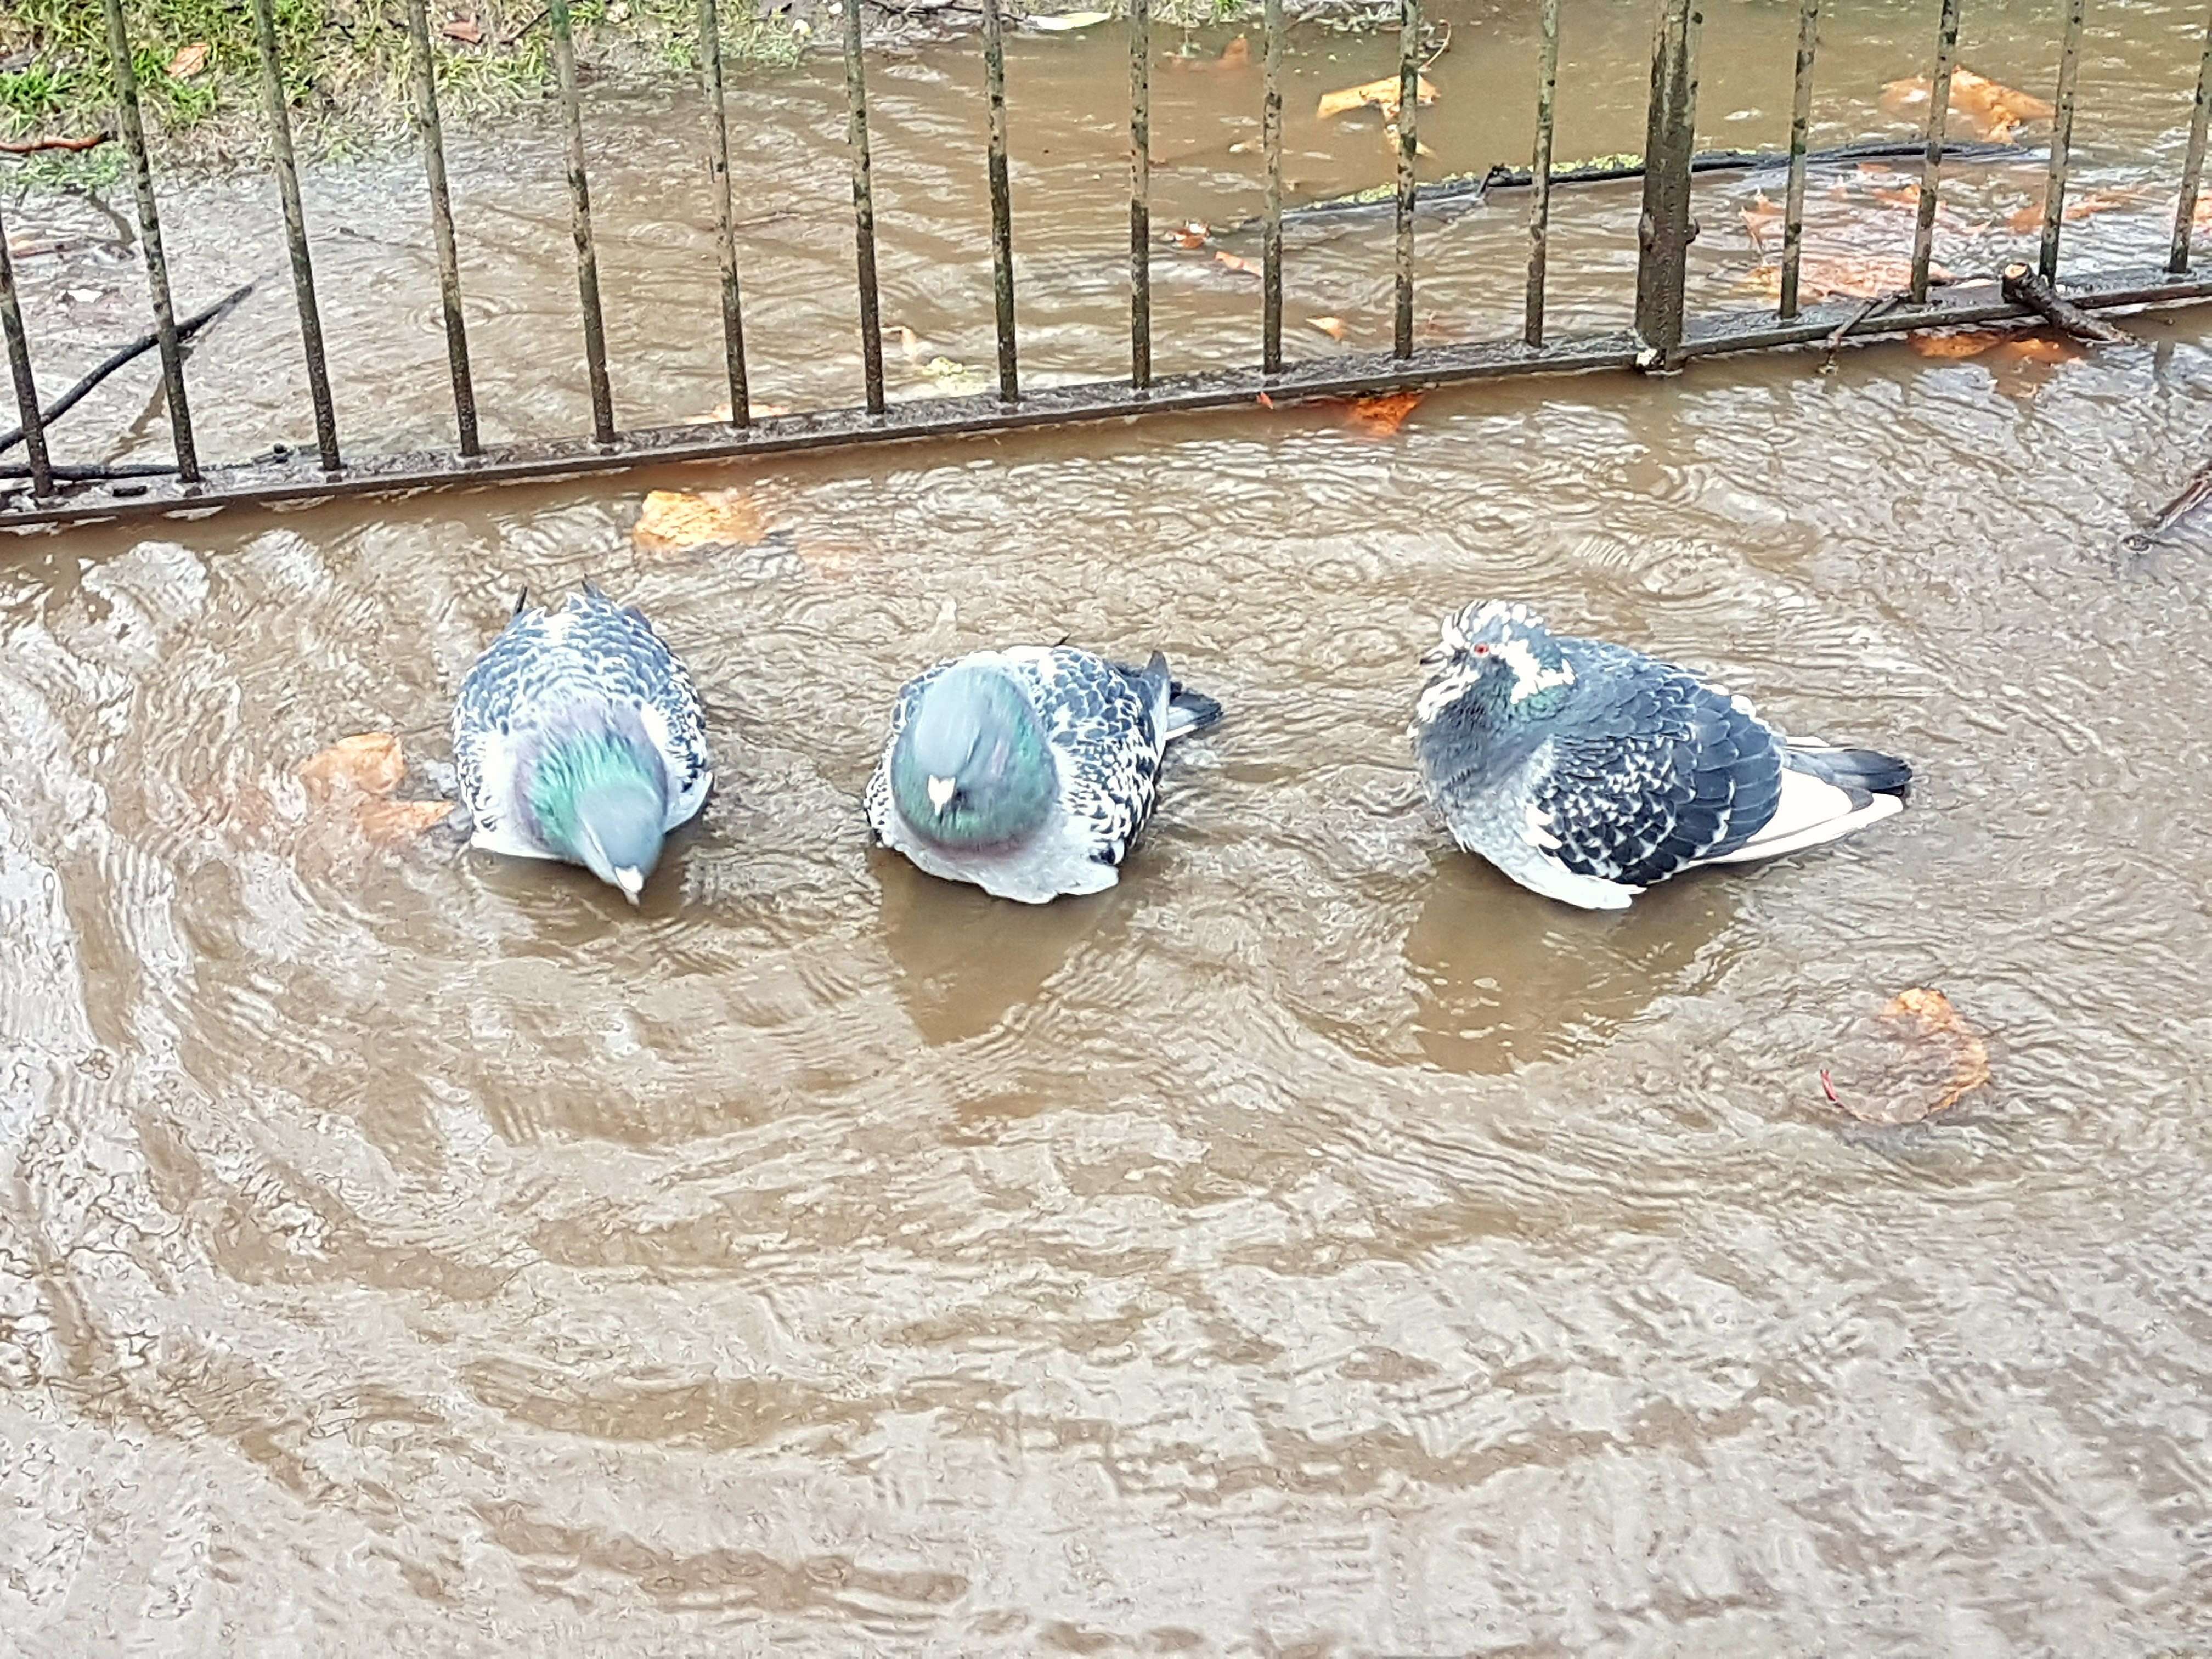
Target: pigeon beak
<point>941,792</point>
<point>1434,654</point>
<point>631,881</point>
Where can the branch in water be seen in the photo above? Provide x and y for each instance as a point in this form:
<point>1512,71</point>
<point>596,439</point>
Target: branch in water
<point>123,354</point>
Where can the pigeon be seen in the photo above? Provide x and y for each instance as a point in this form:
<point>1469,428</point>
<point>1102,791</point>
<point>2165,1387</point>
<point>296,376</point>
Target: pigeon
<point>578,737</point>
<point>1587,771</point>
<point>1029,772</point>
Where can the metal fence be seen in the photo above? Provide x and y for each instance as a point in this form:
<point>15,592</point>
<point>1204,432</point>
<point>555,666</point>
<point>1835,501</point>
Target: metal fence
<point>1662,338</point>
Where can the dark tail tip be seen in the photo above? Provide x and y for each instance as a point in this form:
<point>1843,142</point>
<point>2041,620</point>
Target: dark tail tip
<point>1190,711</point>
<point>1859,768</point>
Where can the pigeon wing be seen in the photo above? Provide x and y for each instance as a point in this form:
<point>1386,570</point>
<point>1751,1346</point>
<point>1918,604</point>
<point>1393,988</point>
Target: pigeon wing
<point>1649,772</point>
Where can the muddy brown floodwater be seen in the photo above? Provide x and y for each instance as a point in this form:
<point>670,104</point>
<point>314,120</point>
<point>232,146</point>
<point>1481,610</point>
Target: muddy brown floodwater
<point>1314,1245</point>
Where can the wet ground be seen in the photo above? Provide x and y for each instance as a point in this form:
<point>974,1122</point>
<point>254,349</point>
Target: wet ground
<point>1314,1245</point>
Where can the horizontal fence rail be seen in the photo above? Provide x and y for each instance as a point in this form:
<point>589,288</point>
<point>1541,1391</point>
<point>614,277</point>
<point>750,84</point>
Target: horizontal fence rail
<point>42,491</point>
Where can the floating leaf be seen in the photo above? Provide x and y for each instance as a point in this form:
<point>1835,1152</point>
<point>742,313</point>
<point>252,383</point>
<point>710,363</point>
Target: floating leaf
<point>1071,20</point>
<point>2040,348</point>
<point>390,822</point>
<point>1381,416</point>
<point>466,30</point>
<point>2029,219</point>
<point>1237,55</point>
<point>1983,107</point>
<point>1242,267</point>
<point>1915,1057</point>
<point>721,413</point>
<point>1845,277</point>
<point>1383,94</point>
<point>910,342</point>
<point>188,60</point>
<point>1332,326</point>
<point>1192,234</point>
<point>369,764</point>
<point>1759,218</point>
<point>677,521</point>
<point>1956,343</point>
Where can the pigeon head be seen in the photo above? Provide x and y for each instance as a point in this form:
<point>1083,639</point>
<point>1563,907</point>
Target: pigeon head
<point>597,794</point>
<point>973,765</point>
<point>1504,655</point>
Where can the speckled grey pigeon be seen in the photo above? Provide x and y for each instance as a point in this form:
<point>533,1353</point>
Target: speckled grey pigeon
<point>578,736</point>
<point>1587,771</point>
<point>1030,772</point>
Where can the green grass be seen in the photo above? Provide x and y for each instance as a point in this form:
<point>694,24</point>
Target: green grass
<point>348,67</point>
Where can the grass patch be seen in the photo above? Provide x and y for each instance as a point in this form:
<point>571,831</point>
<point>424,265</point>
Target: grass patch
<point>347,66</point>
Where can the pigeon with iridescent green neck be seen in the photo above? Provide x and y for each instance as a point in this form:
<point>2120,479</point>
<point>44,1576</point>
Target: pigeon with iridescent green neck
<point>578,737</point>
<point>1030,772</point>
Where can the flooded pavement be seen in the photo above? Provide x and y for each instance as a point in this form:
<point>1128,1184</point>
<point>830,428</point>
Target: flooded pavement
<point>1314,1244</point>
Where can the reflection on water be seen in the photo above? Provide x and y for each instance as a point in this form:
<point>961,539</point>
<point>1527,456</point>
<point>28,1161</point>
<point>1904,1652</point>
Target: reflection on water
<point>1315,1243</point>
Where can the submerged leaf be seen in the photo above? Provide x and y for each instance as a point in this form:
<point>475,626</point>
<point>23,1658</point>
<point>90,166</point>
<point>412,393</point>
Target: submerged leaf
<point>390,822</point>
<point>1842,277</point>
<point>1242,267</point>
<point>1759,218</point>
<point>675,521</point>
<point>1959,342</point>
<point>1332,326</point>
<point>1915,1057</point>
<point>1381,416</point>
<point>371,764</point>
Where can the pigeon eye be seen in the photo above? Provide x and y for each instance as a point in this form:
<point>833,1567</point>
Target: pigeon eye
<point>1481,650</point>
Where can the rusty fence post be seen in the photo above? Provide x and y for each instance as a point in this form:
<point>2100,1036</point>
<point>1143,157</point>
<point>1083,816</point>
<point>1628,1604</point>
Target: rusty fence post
<point>1664,232</point>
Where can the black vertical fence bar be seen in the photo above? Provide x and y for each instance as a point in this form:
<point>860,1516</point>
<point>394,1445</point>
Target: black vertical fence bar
<point>2062,140</point>
<point>1801,127</point>
<point>1409,104</point>
<point>1663,230</point>
<point>1931,166</point>
<point>149,232</point>
<point>1002,210</point>
<point>864,212</point>
<point>19,367</point>
<point>726,240</point>
<point>433,137</point>
<point>579,219</point>
<point>2192,166</point>
<point>295,235</point>
<point>1540,169</point>
<point>1271,243</point>
<point>1140,194</point>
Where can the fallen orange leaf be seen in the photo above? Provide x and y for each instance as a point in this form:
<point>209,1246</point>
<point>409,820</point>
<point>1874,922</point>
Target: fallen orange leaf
<point>2041,349</point>
<point>1962,342</point>
<point>721,413</point>
<point>1379,417</point>
<point>1985,108</point>
<point>1758,218</point>
<point>1905,196</point>
<point>369,764</point>
<point>188,60</point>
<point>1384,95</point>
<point>1844,276</point>
<point>1192,234</point>
<point>1242,267</point>
<point>2030,218</point>
<point>675,521</point>
<point>1332,326</point>
<point>466,30</point>
<point>1916,1058</point>
<point>1266,402</point>
<point>392,821</point>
